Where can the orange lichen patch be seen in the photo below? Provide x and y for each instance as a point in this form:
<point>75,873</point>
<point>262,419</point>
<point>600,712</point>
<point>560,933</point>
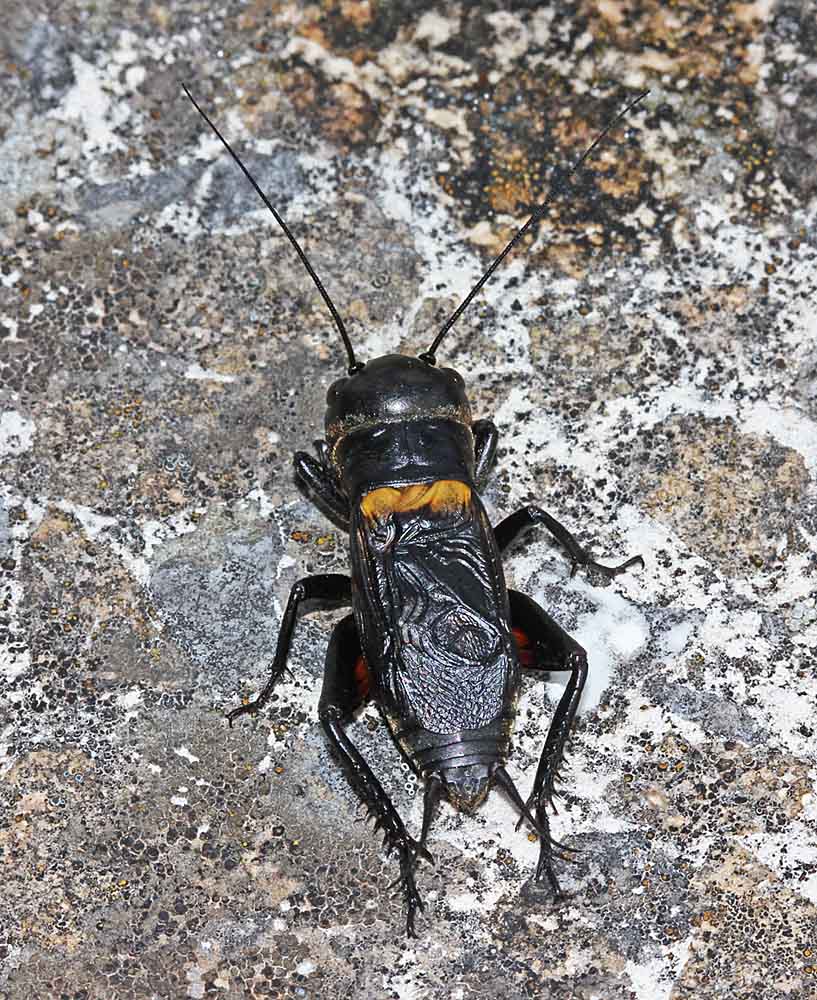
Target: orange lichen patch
<point>619,176</point>
<point>494,238</point>
<point>568,256</point>
<point>685,38</point>
<point>611,12</point>
<point>750,13</point>
<point>224,361</point>
<point>697,309</point>
<point>515,180</point>
<point>441,496</point>
<point>359,13</point>
<point>342,112</point>
<point>729,494</point>
<point>335,31</point>
<point>714,318</point>
<point>54,523</point>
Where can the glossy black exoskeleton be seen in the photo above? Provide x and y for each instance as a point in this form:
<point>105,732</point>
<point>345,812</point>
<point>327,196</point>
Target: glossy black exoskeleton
<point>435,637</point>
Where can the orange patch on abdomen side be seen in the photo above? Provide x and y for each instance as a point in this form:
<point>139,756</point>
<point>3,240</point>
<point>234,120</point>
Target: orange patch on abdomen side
<point>523,647</point>
<point>441,496</point>
<point>361,674</point>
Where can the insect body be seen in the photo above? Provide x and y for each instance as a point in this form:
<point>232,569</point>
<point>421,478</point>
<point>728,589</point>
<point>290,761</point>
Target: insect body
<point>434,637</point>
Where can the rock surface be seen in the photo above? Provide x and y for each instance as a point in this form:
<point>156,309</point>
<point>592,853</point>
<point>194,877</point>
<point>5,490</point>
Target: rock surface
<point>650,359</point>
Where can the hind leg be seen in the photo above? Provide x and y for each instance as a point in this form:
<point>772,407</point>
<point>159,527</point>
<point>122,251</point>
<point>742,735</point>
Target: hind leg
<point>549,647</point>
<point>345,686</point>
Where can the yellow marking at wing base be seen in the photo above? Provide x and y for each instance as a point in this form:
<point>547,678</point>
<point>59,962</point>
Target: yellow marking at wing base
<point>443,496</point>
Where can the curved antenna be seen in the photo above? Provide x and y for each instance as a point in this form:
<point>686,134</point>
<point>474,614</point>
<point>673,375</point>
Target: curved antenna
<point>354,366</point>
<point>429,356</point>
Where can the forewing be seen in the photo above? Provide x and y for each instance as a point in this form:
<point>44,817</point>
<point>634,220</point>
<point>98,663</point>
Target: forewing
<point>433,616</point>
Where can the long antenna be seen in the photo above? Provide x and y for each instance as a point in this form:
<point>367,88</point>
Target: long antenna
<point>354,366</point>
<point>429,356</point>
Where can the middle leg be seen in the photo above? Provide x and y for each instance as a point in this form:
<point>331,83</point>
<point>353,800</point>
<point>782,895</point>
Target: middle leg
<point>508,530</point>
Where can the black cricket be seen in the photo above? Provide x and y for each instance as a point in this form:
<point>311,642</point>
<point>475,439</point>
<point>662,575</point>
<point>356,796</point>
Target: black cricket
<point>435,637</point>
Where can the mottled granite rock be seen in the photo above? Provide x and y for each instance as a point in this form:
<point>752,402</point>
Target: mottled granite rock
<point>651,361</point>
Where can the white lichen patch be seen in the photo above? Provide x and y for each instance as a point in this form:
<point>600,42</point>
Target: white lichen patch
<point>16,433</point>
<point>207,374</point>
<point>15,652</point>
<point>89,103</point>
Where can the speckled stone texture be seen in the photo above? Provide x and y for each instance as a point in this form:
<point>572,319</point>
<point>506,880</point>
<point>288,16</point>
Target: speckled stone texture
<point>651,361</point>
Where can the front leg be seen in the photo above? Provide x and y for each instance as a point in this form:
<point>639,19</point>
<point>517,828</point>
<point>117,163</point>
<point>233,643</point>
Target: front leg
<point>315,476</point>
<point>514,525</point>
<point>312,593</point>
<point>345,686</point>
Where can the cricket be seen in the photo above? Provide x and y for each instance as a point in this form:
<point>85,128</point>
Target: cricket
<point>434,636</point>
